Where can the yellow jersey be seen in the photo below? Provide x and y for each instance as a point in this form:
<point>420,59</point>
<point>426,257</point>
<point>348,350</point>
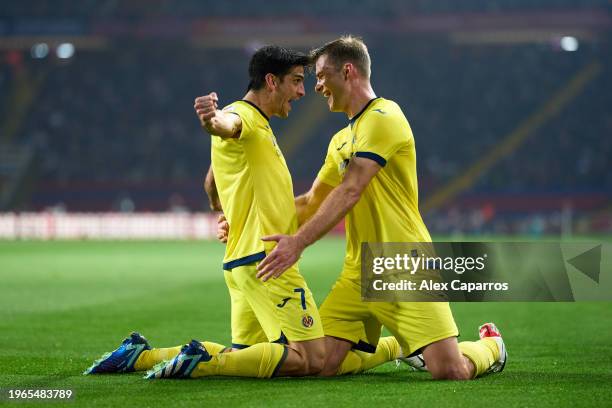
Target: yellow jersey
<point>254,185</point>
<point>388,209</point>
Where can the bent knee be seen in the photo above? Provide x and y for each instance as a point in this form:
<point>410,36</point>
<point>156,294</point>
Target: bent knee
<point>309,360</point>
<point>328,370</point>
<point>315,366</point>
<point>315,362</point>
<point>331,365</point>
<point>452,372</point>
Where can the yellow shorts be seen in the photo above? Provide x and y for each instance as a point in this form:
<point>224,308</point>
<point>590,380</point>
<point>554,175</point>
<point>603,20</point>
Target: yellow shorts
<point>414,324</point>
<point>278,310</point>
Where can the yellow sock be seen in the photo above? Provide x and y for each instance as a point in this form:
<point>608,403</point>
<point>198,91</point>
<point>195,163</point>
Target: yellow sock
<point>388,349</point>
<point>149,358</point>
<point>482,353</point>
<point>260,360</point>
<point>213,348</point>
<point>350,365</point>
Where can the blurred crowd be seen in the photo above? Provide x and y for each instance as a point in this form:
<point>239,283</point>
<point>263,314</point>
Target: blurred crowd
<point>463,101</point>
<point>124,116</point>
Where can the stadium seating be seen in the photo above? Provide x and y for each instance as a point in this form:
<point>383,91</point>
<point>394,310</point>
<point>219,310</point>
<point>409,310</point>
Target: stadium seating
<point>118,121</point>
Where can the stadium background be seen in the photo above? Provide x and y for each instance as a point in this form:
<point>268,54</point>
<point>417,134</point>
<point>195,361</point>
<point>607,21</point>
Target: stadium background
<point>509,102</point>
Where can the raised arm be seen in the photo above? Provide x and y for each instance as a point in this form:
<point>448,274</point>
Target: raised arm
<point>214,121</point>
<point>335,206</point>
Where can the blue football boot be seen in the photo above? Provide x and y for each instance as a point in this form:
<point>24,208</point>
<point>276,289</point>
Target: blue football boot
<point>121,360</point>
<point>183,364</point>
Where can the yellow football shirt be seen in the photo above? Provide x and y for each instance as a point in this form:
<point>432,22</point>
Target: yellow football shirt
<point>388,208</point>
<point>254,186</point>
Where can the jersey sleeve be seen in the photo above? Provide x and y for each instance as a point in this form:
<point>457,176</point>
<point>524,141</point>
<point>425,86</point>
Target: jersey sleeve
<point>379,136</point>
<point>329,171</point>
<point>245,116</point>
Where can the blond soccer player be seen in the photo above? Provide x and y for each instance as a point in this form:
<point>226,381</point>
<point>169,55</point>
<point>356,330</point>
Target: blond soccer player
<point>369,176</point>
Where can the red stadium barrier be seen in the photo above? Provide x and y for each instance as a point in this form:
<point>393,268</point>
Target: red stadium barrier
<point>141,226</point>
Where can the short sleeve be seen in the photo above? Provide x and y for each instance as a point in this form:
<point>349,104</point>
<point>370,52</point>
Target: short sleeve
<point>245,116</point>
<point>328,173</point>
<point>379,136</point>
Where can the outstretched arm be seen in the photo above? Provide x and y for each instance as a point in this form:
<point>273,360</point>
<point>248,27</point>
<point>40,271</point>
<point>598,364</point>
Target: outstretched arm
<point>215,121</point>
<point>335,206</point>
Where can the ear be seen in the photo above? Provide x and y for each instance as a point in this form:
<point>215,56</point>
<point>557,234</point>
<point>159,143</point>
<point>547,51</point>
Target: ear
<point>347,69</point>
<point>271,81</point>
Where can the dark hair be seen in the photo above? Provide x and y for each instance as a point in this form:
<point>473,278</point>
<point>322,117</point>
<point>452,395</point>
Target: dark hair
<point>345,49</point>
<point>273,59</point>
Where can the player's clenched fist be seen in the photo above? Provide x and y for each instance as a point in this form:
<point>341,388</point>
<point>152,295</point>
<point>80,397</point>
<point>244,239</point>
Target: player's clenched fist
<point>206,109</point>
<point>216,122</point>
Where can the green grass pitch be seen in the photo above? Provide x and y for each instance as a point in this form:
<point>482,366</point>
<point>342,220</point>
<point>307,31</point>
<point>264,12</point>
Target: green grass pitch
<point>62,304</point>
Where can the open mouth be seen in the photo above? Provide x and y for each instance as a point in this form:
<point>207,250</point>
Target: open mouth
<point>327,94</point>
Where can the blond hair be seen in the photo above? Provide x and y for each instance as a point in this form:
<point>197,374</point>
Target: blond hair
<point>346,49</point>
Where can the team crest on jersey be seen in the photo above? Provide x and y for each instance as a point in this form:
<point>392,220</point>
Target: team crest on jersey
<point>307,321</point>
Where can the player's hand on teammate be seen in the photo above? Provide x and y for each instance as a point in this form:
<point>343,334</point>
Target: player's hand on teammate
<point>222,229</point>
<point>283,256</point>
<point>206,109</point>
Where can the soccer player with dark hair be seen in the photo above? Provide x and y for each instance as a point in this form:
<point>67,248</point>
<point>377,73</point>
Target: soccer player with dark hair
<point>369,176</point>
<point>276,328</point>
